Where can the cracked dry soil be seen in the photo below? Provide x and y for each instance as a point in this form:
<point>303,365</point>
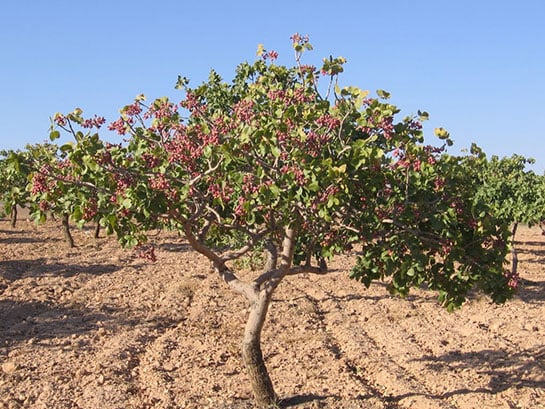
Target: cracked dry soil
<point>95,327</point>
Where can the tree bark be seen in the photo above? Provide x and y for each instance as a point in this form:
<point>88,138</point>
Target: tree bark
<point>13,216</point>
<point>261,383</point>
<point>514,255</point>
<point>262,386</point>
<point>66,230</point>
<point>97,230</point>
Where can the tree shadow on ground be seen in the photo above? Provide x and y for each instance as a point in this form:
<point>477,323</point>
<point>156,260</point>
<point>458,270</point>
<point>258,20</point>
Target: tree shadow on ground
<point>42,320</point>
<point>16,269</point>
<point>9,232</point>
<point>530,243</point>
<point>531,291</point>
<point>303,399</point>
<point>20,236</point>
<point>535,256</point>
<point>505,369</point>
<point>21,240</point>
<point>174,247</point>
<point>535,249</point>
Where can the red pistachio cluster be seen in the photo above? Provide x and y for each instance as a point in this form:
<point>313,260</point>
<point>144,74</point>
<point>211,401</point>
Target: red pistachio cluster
<point>95,122</point>
<point>90,210</point>
<point>159,182</point>
<point>146,252</point>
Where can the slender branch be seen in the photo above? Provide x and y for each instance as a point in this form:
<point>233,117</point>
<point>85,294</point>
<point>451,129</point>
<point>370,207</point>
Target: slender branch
<point>195,214</point>
<point>205,173</point>
<point>279,273</point>
<point>329,87</point>
<point>272,256</point>
<point>269,280</point>
<point>339,134</point>
<point>215,214</point>
<point>350,228</point>
<point>430,237</point>
<point>78,183</point>
<point>204,231</point>
<point>253,239</point>
<point>407,186</point>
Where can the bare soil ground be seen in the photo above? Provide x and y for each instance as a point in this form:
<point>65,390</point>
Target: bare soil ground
<point>96,327</point>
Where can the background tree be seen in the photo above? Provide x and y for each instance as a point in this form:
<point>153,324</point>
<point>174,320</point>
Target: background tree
<point>515,193</point>
<point>64,183</point>
<point>270,163</point>
<point>15,168</point>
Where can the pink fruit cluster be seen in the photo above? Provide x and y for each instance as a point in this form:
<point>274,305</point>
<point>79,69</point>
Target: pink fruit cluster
<point>95,122</point>
<point>159,182</point>
<point>147,253</point>
<point>90,210</point>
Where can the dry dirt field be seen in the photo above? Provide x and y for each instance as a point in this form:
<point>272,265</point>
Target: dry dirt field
<point>96,327</point>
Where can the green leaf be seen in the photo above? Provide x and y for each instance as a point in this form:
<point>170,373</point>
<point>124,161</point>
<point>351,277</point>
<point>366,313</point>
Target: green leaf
<point>383,94</point>
<point>67,147</point>
<point>423,116</point>
<point>441,133</point>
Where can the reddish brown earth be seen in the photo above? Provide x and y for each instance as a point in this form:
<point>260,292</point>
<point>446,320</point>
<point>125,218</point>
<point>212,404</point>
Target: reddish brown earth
<point>95,327</point>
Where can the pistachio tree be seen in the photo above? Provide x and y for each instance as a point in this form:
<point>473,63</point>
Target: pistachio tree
<point>286,161</point>
<point>15,167</point>
<point>515,193</point>
<point>65,186</point>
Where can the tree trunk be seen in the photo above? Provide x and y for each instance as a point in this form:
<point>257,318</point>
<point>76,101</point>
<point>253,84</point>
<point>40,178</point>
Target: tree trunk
<point>514,255</point>
<point>97,230</point>
<point>13,216</point>
<point>261,383</point>
<point>66,230</point>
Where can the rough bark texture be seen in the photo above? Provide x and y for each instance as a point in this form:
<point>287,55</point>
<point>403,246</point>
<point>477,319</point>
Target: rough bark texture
<point>514,256</point>
<point>260,380</point>
<point>66,230</point>
<point>13,216</point>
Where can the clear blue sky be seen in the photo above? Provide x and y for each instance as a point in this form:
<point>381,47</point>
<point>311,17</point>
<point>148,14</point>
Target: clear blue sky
<point>478,67</point>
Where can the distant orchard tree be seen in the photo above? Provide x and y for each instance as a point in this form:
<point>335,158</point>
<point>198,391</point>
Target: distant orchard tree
<point>515,193</point>
<point>15,168</point>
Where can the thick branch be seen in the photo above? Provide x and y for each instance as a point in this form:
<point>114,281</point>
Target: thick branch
<point>237,285</point>
<point>253,237</point>
<point>288,247</point>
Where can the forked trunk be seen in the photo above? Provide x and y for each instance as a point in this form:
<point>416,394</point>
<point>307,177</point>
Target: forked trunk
<point>261,383</point>
<point>259,294</point>
<point>13,216</point>
<point>66,230</point>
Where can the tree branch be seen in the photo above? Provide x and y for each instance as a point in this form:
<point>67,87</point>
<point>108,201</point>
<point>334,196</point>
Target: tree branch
<point>279,273</point>
<point>205,173</point>
<point>288,247</point>
<point>248,290</point>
